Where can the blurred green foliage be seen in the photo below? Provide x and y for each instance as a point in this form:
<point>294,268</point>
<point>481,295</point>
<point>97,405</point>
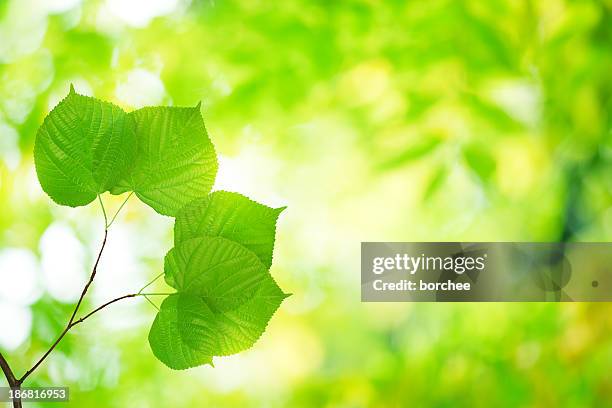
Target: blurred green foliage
<point>438,120</point>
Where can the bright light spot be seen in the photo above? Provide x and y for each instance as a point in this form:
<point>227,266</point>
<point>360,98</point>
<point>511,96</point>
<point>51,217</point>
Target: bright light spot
<point>221,85</point>
<point>249,173</point>
<point>9,148</point>
<point>141,88</point>
<point>16,325</point>
<point>63,263</point>
<point>230,373</point>
<point>17,109</point>
<point>139,13</point>
<point>367,83</point>
<point>119,273</point>
<point>286,357</point>
<point>31,184</point>
<point>22,82</point>
<point>22,29</point>
<point>232,175</point>
<point>58,6</point>
<point>18,270</point>
<point>520,99</point>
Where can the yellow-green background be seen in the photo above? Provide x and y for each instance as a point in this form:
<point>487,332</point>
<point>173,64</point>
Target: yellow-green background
<point>434,120</point>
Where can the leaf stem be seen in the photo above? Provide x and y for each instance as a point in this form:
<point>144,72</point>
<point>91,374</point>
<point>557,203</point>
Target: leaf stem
<point>103,212</point>
<point>150,283</point>
<point>151,302</point>
<point>119,210</point>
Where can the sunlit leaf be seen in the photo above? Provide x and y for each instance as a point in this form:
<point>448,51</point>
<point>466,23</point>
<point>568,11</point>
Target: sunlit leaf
<point>240,328</point>
<point>232,216</point>
<point>82,149</point>
<point>176,161</point>
<point>183,333</point>
<point>225,298</point>
<point>225,273</point>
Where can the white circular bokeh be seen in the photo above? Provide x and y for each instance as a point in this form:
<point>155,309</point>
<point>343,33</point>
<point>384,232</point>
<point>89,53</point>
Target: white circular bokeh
<point>63,263</point>
<point>18,273</point>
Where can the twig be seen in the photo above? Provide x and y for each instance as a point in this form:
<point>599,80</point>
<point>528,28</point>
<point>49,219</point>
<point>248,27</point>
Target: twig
<point>110,302</point>
<point>76,309</point>
<point>88,315</point>
<point>72,322</point>
<point>6,369</point>
<point>10,378</point>
<point>91,278</point>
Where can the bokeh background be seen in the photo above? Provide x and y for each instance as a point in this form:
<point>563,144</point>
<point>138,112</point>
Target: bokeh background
<point>482,120</point>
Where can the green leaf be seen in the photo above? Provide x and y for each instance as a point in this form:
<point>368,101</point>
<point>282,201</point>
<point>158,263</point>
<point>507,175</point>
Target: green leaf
<point>225,299</point>
<point>223,272</point>
<point>239,329</point>
<point>183,333</point>
<point>176,161</point>
<point>232,216</point>
<point>82,149</point>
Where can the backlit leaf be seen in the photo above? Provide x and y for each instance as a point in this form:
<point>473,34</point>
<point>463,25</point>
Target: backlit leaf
<point>223,272</point>
<point>225,299</point>
<point>232,216</point>
<point>176,161</point>
<point>82,149</point>
<point>183,334</point>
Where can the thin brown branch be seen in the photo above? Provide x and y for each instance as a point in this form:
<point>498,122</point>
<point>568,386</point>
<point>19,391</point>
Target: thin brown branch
<point>76,309</point>
<point>91,278</point>
<point>88,315</point>
<point>71,325</point>
<point>6,369</point>
<point>10,378</point>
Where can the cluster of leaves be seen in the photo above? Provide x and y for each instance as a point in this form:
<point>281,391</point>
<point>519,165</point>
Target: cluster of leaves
<point>223,242</point>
